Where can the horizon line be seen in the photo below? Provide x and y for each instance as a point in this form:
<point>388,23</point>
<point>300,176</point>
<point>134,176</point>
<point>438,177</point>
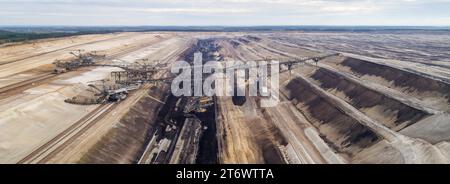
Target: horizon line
<point>318,25</point>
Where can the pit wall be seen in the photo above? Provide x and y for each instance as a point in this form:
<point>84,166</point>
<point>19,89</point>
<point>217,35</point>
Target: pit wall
<point>400,78</point>
<point>428,90</point>
<point>390,112</point>
<point>343,133</point>
<point>125,143</point>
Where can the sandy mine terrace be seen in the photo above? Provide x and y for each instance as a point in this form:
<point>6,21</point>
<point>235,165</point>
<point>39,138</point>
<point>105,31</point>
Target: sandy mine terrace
<point>35,116</point>
<point>166,52</point>
<point>345,109</point>
<point>18,52</point>
<point>21,68</point>
<point>357,114</point>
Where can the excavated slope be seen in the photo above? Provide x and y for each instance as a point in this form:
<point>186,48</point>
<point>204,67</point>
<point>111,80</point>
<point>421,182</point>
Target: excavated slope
<point>388,111</point>
<point>342,132</point>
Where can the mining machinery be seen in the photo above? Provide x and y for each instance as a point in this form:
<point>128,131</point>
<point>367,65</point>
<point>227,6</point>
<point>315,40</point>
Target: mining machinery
<point>198,104</point>
<point>107,93</point>
<point>292,63</point>
<point>81,58</point>
<point>138,73</point>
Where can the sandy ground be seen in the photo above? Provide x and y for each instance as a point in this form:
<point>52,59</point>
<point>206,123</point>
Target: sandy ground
<point>37,117</point>
<point>285,117</point>
<point>427,48</point>
<point>38,114</point>
<point>21,51</point>
<point>238,125</point>
<point>240,134</point>
<point>247,133</point>
<point>75,151</point>
<point>410,149</point>
<point>25,69</point>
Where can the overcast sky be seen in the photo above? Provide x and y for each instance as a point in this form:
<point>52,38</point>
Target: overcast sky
<point>225,12</point>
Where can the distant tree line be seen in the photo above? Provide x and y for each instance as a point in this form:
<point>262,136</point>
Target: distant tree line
<point>8,37</point>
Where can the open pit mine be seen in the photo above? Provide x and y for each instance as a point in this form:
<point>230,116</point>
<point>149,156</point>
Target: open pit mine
<point>344,98</point>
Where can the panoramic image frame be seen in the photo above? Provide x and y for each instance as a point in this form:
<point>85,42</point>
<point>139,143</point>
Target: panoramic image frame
<point>197,86</point>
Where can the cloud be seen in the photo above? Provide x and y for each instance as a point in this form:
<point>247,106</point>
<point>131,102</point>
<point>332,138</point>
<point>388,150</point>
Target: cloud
<point>349,9</point>
<point>207,10</point>
<point>229,12</point>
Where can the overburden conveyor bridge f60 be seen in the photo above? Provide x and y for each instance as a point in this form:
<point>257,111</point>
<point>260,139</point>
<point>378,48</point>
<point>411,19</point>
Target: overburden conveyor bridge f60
<point>134,75</point>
